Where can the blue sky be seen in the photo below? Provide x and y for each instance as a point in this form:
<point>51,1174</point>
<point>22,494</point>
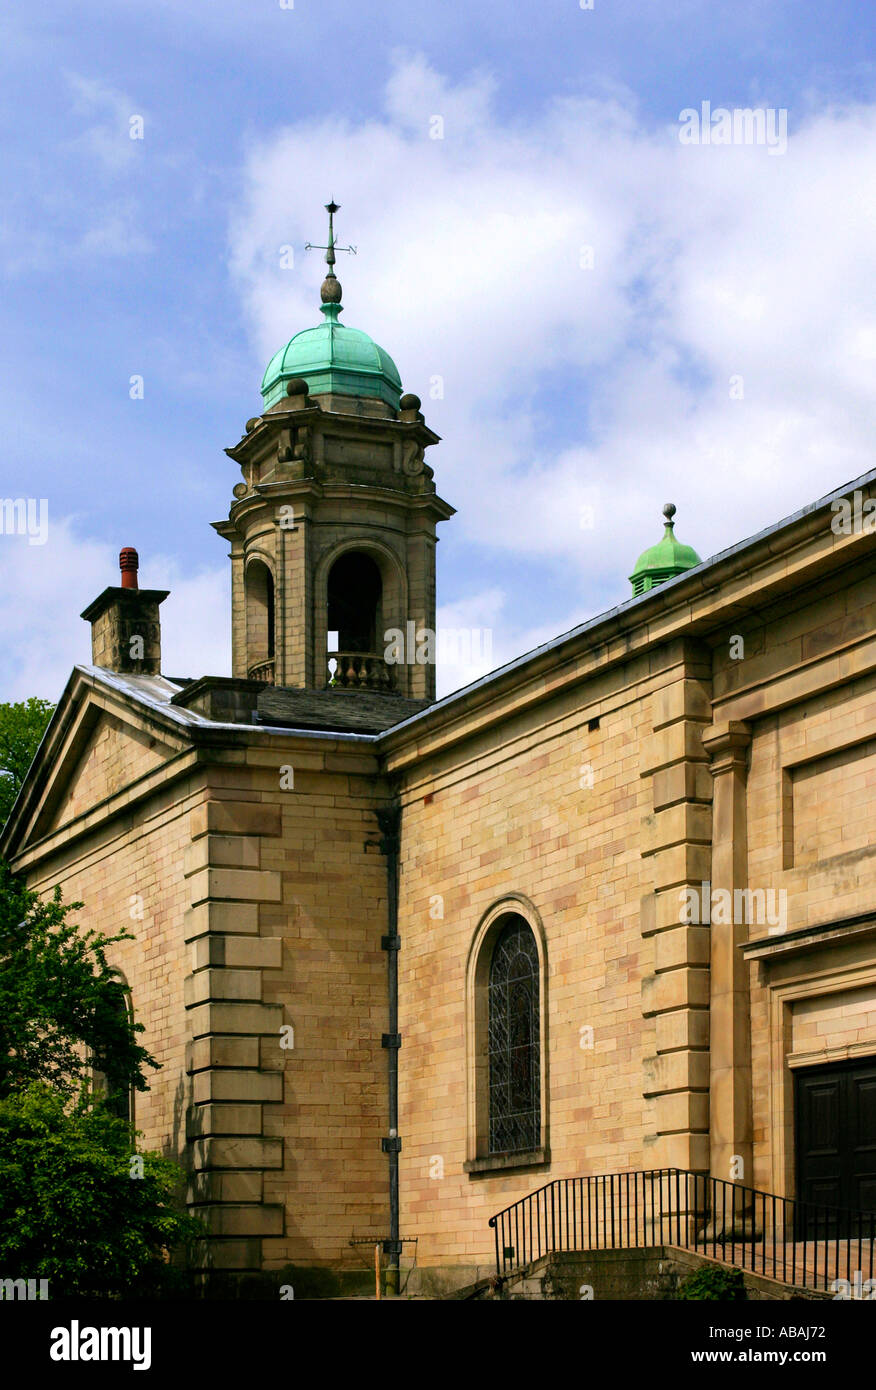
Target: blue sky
<point>563,387</point>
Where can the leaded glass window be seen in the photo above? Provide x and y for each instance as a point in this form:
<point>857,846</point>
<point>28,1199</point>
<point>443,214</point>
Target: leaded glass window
<point>513,1001</point>
<point>112,1081</point>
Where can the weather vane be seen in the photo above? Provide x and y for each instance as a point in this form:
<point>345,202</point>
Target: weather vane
<point>331,209</point>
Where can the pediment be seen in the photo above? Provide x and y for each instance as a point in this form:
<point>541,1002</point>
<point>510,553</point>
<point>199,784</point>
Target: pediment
<point>115,754</point>
<point>96,749</point>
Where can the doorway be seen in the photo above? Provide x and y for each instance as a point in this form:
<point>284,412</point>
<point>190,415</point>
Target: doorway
<point>835,1144</point>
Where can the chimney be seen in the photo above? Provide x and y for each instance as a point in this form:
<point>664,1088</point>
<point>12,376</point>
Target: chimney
<point>125,626</point>
<point>129,564</point>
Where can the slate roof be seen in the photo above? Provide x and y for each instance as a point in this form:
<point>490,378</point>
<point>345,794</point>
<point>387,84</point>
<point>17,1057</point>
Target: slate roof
<point>354,711</point>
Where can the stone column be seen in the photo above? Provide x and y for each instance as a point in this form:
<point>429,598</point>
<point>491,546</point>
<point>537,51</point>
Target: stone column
<point>227,1023</point>
<point>421,603</point>
<point>676,855</point>
<point>730,1008</point>
<point>238,609</point>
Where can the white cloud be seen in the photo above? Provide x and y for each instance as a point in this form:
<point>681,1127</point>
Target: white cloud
<point>415,94</point>
<point>467,639</point>
<point>106,137</point>
<point>115,232</point>
<point>77,203</point>
<point>564,386</point>
<point>479,625</point>
<point>43,589</point>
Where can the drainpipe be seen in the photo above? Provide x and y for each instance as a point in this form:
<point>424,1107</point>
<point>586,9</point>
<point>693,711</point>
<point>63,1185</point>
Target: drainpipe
<point>389,821</point>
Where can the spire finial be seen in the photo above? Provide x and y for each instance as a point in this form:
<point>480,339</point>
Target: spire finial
<point>331,208</point>
<point>669,510</point>
<point>330,290</point>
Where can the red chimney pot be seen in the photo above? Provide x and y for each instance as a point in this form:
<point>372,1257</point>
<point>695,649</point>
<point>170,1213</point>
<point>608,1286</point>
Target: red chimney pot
<point>129,562</point>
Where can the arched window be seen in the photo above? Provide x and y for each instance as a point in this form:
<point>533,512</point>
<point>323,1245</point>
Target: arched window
<point>507,1091</point>
<point>259,620</point>
<point>115,1086</point>
<point>513,1040</point>
<point>269,604</point>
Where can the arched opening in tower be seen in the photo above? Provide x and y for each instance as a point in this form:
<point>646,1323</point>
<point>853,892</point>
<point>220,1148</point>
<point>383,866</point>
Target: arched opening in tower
<point>355,590</point>
<point>259,621</point>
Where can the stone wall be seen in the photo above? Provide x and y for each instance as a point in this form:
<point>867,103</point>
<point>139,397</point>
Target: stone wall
<point>636,1276</point>
<point>127,868</point>
<point>807,687</point>
<point>550,811</point>
<point>256,970</point>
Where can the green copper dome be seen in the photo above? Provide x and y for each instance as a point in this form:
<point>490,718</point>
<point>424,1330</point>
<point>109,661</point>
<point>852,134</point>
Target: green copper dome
<point>332,357</point>
<point>664,560</point>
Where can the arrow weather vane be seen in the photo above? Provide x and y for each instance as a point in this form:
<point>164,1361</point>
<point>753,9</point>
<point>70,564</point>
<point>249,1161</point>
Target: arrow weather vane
<point>331,209</point>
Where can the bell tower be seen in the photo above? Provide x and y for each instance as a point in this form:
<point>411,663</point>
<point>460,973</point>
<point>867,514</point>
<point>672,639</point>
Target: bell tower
<point>332,528</point>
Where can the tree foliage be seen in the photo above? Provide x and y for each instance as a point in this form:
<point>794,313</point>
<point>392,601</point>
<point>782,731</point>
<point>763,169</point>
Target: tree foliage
<point>61,1005</point>
<point>22,726</point>
<point>78,1207</point>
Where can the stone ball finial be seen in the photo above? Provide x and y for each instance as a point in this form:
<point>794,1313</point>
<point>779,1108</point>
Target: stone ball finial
<point>251,424</point>
<point>410,402</point>
<point>330,290</point>
<point>669,510</point>
<point>297,386</point>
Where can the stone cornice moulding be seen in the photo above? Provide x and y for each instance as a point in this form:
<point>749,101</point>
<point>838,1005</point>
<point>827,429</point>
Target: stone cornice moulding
<point>732,584</point>
<point>727,745</point>
<point>841,931</point>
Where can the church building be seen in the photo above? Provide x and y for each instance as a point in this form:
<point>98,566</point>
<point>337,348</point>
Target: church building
<point>403,961</point>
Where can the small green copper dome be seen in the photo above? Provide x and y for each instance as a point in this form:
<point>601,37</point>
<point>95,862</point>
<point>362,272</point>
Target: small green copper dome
<point>664,560</point>
<point>333,358</point>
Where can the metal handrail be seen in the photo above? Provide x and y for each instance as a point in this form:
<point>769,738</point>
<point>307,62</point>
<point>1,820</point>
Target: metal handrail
<point>796,1242</point>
